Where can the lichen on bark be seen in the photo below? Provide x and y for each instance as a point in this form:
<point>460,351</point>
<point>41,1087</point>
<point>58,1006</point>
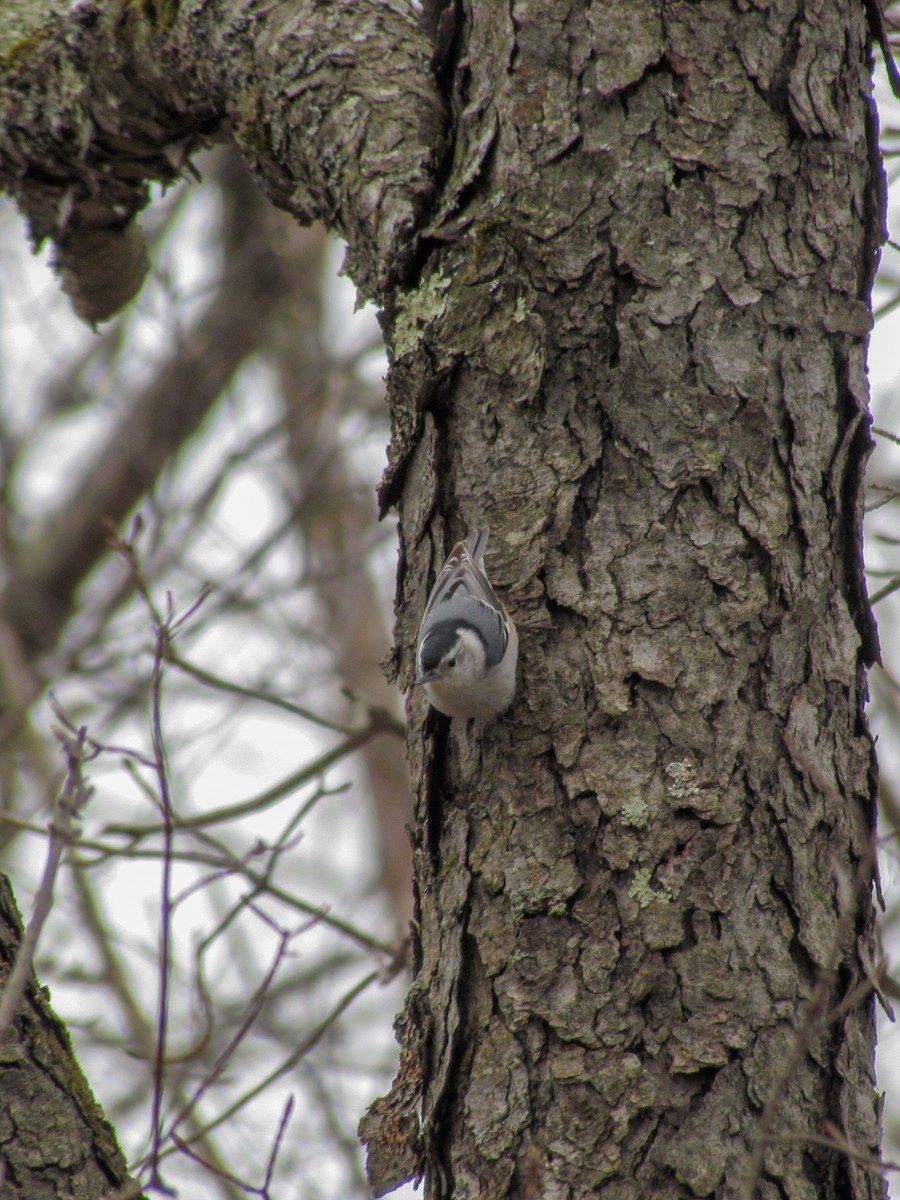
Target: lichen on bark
<point>333,105</point>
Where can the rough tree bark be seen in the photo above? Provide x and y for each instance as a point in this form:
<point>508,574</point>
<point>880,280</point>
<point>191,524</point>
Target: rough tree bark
<point>647,320</point>
<point>628,312</point>
<point>54,1140</point>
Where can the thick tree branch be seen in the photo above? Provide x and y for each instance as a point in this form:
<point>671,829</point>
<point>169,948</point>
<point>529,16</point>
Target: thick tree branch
<point>332,104</point>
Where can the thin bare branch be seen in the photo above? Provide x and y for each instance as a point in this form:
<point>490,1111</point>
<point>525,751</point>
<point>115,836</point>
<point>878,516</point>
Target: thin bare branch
<point>74,795</point>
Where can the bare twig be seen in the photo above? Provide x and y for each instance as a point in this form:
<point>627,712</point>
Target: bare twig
<point>243,1028</point>
<point>320,911</point>
<point>163,633</point>
<point>263,1191</point>
<point>836,1141</point>
<point>276,1145</point>
<point>116,977</point>
<point>74,794</point>
<point>224,685</point>
<point>379,722</point>
<point>887,590</point>
<point>311,1040</point>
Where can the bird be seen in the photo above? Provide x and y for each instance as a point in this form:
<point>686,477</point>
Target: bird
<point>467,647</point>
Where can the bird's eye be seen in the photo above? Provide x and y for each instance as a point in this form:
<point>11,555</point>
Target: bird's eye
<point>451,662</point>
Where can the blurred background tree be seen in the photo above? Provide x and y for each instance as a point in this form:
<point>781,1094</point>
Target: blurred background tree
<point>233,419</point>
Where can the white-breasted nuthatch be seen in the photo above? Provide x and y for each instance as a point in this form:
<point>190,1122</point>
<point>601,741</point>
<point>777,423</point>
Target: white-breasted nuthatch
<point>467,647</point>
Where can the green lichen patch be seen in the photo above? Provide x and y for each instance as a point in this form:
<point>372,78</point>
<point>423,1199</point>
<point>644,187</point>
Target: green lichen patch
<point>635,813</point>
<point>417,310</point>
<point>646,895</point>
<point>19,51</point>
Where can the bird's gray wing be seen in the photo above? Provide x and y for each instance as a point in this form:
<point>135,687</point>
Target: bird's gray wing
<point>462,580</point>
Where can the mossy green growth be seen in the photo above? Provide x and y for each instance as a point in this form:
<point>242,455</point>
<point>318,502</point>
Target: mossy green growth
<point>18,53</point>
<point>538,898</point>
<point>416,310</point>
<point>635,813</point>
<point>161,14</point>
<point>645,895</point>
<point>249,122</point>
<point>252,136</point>
<point>23,27</point>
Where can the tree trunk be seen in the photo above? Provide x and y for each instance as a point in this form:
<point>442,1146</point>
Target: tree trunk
<point>645,911</point>
<point>55,1139</point>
